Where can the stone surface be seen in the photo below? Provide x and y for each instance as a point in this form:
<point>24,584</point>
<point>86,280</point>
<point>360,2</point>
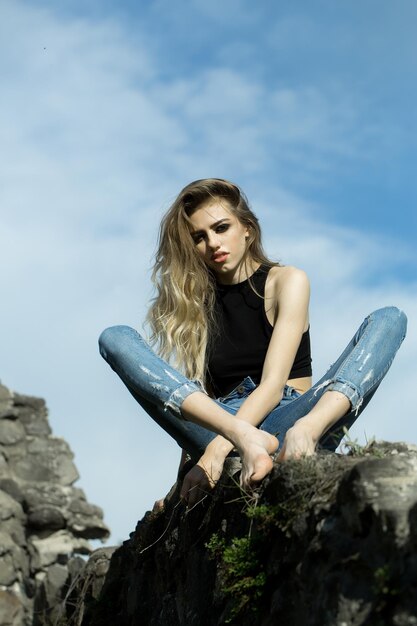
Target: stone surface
<point>9,507</point>
<point>7,408</point>
<point>88,587</point>
<point>44,520</point>
<point>327,541</point>
<point>11,432</point>
<point>33,414</point>
<point>11,609</point>
<point>46,459</point>
<point>46,516</point>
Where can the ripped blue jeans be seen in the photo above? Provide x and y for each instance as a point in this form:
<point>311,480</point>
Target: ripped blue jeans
<point>160,389</point>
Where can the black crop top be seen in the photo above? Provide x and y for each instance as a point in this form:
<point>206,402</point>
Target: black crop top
<point>239,347</point>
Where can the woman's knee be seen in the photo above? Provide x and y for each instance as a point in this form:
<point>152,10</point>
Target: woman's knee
<point>394,318</point>
<point>112,339</point>
<point>399,317</point>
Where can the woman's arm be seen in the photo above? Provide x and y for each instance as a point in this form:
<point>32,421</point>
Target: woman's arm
<point>290,293</point>
<point>291,298</point>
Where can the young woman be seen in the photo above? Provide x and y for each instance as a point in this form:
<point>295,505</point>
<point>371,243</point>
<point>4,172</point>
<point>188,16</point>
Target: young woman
<point>231,330</point>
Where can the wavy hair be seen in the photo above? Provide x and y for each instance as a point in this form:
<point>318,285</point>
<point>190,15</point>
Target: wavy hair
<point>181,316</point>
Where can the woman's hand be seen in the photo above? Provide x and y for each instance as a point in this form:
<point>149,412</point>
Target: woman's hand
<point>201,478</point>
<point>302,438</point>
<point>300,441</point>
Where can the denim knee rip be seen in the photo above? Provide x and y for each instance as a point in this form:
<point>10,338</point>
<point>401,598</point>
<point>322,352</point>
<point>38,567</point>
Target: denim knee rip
<point>348,389</point>
<point>178,396</point>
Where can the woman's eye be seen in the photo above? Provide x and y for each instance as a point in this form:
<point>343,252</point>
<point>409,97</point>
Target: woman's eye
<point>222,228</point>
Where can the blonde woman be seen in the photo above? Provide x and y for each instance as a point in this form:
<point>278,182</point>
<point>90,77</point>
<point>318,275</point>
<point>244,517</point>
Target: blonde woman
<point>231,369</point>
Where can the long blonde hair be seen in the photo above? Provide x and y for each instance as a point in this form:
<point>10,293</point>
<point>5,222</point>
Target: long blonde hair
<point>181,316</point>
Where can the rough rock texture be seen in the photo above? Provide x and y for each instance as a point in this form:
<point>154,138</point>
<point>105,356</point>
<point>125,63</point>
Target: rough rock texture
<point>44,520</point>
<point>329,541</point>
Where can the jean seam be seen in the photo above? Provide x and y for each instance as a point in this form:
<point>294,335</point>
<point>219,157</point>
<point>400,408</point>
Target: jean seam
<point>366,330</point>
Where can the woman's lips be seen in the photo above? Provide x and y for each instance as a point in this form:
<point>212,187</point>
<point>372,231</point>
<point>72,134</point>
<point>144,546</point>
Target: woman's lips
<point>220,258</point>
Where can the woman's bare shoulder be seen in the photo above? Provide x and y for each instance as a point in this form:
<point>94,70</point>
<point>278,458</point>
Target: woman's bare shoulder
<point>285,276</point>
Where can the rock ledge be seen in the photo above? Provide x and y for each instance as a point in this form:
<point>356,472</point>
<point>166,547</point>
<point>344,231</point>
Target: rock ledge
<point>327,541</point>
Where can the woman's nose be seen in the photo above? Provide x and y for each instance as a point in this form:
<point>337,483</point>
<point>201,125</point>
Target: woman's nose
<point>213,241</point>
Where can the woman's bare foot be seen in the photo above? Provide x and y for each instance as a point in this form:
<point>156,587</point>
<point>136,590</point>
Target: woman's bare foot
<point>255,448</point>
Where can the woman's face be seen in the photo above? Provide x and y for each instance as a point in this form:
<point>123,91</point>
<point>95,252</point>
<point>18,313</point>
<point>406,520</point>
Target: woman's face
<point>220,239</point>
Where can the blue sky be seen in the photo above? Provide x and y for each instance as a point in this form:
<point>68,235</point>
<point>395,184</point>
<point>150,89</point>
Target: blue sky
<point>108,109</point>
<point>354,65</point>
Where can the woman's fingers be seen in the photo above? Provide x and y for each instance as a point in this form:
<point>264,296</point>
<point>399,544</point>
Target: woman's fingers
<point>298,443</point>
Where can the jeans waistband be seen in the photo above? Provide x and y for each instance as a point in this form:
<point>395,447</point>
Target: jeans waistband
<point>243,388</point>
<point>246,386</point>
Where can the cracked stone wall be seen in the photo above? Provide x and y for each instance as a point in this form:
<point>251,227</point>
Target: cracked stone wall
<point>45,522</point>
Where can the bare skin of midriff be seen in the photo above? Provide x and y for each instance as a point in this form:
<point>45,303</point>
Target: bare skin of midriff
<point>300,384</point>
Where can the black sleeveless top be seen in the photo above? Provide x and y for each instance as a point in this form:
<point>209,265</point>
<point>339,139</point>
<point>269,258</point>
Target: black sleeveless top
<point>239,347</point>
